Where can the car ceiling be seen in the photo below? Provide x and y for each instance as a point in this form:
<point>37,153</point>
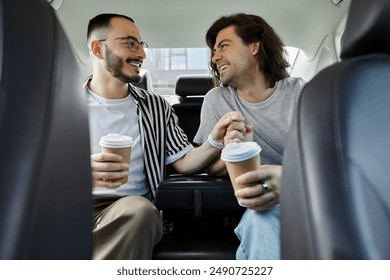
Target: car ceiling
<point>181,23</point>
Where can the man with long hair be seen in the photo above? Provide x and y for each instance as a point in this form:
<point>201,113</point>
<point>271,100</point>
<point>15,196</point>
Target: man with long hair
<point>250,71</point>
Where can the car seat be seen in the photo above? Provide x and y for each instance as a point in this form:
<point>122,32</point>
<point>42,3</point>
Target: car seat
<point>190,90</point>
<point>45,176</point>
<point>335,200</point>
<point>199,212</point>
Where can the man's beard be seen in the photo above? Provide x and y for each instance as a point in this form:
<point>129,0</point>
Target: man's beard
<point>114,64</point>
<point>236,79</point>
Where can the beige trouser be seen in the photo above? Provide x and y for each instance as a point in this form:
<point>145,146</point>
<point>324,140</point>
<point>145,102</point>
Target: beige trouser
<point>126,228</point>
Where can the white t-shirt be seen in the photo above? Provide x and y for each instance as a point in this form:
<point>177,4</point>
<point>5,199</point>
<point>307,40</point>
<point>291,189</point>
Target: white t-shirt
<point>118,116</point>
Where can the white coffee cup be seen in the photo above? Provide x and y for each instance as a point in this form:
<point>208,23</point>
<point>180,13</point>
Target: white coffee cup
<point>240,158</point>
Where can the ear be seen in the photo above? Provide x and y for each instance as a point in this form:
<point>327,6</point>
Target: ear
<point>95,47</point>
<point>255,48</point>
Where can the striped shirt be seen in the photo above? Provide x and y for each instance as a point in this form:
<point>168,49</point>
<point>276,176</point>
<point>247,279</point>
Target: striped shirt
<point>163,141</point>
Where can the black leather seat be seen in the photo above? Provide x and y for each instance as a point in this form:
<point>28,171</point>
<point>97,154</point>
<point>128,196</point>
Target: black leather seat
<point>200,214</point>
<point>190,90</point>
<point>45,176</point>
<point>335,201</point>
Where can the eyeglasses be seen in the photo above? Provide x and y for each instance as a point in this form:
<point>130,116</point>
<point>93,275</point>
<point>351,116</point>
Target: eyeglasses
<point>132,43</point>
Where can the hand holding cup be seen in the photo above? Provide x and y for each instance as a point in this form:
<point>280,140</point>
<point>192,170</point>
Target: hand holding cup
<point>111,166</point>
<point>241,157</point>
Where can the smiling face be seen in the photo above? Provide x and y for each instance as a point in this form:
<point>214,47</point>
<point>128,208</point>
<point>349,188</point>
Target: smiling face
<point>235,61</point>
<point>119,60</point>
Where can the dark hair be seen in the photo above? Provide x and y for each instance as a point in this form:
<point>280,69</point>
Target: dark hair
<point>102,21</point>
<point>252,28</point>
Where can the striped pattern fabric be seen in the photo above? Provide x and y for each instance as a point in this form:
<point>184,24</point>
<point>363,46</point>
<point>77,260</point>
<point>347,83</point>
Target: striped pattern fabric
<point>161,135</point>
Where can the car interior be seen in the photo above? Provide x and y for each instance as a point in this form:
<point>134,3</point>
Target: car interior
<point>335,202</point>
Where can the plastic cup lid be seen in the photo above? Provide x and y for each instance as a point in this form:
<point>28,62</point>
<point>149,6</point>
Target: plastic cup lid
<point>236,152</point>
<point>114,140</point>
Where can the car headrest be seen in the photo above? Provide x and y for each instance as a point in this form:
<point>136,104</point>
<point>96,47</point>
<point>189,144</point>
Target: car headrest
<point>193,84</point>
<point>367,28</point>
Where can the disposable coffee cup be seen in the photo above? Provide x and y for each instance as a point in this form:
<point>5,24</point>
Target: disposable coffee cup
<point>117,144</point>
<point>240,158</point>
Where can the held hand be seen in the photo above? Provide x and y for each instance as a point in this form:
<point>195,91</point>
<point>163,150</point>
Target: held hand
<point>233,119</point>
<point>254,196</point>
<point>108,170</point>
<point>238,132</point>
<point>248,136</point>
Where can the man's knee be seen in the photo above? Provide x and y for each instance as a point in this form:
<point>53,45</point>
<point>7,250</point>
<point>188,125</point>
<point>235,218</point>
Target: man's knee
<point>139,210</point>
<point>131,219</point>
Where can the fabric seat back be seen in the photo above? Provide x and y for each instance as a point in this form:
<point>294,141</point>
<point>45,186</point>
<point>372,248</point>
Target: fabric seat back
<point>335,199</point>
<point>45,173</point>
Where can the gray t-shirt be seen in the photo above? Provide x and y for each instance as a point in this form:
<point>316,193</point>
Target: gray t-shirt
<point>271,118</point>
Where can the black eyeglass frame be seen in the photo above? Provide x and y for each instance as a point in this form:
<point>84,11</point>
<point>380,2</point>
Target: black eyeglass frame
<point>132,42</point>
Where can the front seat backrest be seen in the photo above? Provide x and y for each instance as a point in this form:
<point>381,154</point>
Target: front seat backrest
<point>335,200</point>
<point>45,176</point>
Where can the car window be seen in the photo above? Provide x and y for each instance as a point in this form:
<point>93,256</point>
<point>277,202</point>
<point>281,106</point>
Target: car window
<point>165,64</point>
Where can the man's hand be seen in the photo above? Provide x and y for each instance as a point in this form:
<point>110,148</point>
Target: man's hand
<point>230,128</point>
<point>253,196</point>
<point>108,170</point>
<point>231,123</point>
<point>238,132</point>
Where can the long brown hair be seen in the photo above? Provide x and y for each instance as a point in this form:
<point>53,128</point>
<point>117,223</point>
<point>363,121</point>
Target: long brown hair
<point>252,28</point>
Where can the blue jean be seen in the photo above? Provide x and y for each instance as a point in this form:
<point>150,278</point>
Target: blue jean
<point>259,233</point>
